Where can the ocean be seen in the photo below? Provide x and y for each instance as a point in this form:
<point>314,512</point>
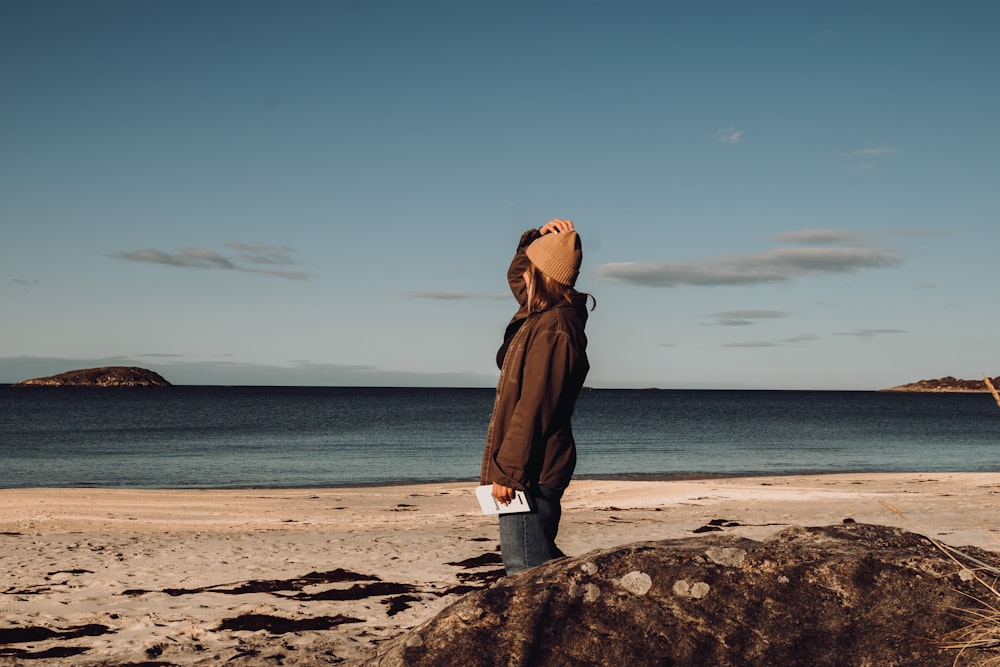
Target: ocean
<point>231,437</point>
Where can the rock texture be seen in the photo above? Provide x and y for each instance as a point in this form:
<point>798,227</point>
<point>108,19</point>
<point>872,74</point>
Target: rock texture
<point>946,385</point>
<point>836,596</point>
<point>110,376</point>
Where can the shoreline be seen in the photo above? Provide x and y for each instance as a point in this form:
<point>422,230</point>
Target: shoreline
<point>202,576</point>
<point>577,479</point>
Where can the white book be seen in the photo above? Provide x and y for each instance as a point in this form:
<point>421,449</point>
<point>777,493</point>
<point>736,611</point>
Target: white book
<point>490,505</point>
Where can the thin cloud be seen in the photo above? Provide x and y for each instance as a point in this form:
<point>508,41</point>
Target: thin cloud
<point>779,265</point>
<point>867,333</point>
<point>177,361</point>
<point>197,258</point>
<point>751,314</point>
<point>290,275</point>
<point>264,254</point>
<point>315,366</point>
<point>914,232</point>
<point>202,258</point>
<point>26,284</point>
<point>444,295</point>
<point>804,338</point>
<point>195,371</point>
<point>818,237</point>
<point>875,152</point>
<point>732,323</point>
<point>728,135</point>
<point>860,160</point>
<point>741,318</point>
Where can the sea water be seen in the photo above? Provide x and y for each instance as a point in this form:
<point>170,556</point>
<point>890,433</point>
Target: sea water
<point>223,437</point>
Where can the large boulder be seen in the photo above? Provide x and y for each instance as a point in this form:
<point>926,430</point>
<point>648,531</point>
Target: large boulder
<point>834,596</point>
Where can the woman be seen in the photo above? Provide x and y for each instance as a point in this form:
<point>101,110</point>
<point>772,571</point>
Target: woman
<point>543,363</point>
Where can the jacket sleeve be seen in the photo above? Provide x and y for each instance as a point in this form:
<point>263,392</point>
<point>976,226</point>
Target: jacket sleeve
<point>515,273</point>
<point>547,365</point>
<point>515,279</point>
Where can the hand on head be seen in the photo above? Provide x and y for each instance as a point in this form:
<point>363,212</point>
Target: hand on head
<point>556,225</point>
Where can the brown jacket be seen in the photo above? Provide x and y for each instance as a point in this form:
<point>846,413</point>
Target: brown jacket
<point>543,363</point>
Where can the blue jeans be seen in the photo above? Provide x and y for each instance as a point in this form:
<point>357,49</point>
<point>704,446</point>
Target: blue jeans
<point>529,538</point>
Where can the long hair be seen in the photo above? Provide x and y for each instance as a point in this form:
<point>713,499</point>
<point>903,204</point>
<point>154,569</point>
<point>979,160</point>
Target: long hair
<point>545,293</point>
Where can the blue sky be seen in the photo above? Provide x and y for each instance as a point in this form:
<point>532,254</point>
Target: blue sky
<point>781,195</point>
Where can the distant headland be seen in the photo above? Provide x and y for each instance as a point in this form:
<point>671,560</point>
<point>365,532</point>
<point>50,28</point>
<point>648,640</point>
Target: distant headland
<point>109,376</point>
<point>946,385</point>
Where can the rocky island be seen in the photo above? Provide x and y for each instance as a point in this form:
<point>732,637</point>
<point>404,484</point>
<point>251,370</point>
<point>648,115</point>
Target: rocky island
<point>946,385</point>
<point>109,376</point>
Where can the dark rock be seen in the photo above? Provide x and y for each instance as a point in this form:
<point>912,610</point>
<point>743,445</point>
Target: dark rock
<point>280,626</point>
<point>109,376</point>
<point>20,635</point>
<point>836,596</point>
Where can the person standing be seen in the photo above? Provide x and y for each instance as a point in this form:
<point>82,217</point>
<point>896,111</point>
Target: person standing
<point>543,363</point>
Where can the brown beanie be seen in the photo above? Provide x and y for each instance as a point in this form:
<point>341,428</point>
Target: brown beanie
<point>558,255</point>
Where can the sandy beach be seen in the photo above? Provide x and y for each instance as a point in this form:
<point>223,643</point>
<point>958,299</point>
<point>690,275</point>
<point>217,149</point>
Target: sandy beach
<point>320,576</point>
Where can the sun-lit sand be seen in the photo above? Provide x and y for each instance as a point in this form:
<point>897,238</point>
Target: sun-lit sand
<point>102,576</point>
